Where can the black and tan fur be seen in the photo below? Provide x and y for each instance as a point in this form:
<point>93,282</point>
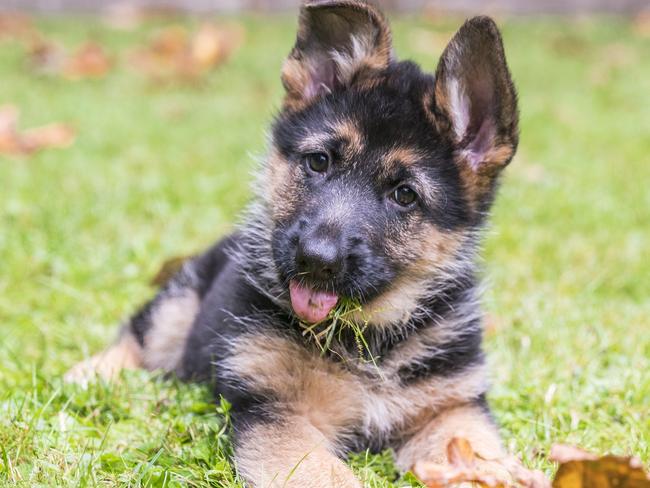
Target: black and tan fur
<point>226,317</point>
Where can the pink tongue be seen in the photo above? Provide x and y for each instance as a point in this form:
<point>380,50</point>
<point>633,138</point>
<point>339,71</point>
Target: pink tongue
<point>310,305</point>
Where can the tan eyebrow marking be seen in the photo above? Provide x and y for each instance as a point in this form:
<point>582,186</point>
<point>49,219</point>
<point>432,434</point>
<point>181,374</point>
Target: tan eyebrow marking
<point>405,155</point>
<point>314,142</point>
<point>346,130</point>
<point>350,133</point>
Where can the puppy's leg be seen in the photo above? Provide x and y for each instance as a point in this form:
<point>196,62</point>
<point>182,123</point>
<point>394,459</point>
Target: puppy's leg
<point>154,338</point>
<point>290,453</point>
<point>125,353</point>
<point>472,422</point>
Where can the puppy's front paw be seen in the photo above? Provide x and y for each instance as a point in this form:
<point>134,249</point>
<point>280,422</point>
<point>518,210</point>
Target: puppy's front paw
<point>494,474</point>
<point>481,473</point>
<point>344,478</point>
<point>107,364</point>
<point>96,367</point>
<point>464,468</point>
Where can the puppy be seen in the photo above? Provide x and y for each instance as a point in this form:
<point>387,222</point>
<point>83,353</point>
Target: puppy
<point>375,191</point>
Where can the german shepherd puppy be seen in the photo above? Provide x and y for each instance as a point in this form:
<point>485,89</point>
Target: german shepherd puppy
<point>375,190</point>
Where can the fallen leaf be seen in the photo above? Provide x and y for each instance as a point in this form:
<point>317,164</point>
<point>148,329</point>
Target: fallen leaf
<point>164,56</point>
<point>15,143</point>
<point>465,466</point>
<point>582,469</point>
<point>174,54</point>
<point>55,135</point>
<point>15,26</point>
<point>207,46</point>
<point>169,42</point>
<point>89,61</point>
<point>45,56</point>
<point>442,476</point>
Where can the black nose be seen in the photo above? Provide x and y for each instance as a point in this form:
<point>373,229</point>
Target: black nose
<point>319,257</point>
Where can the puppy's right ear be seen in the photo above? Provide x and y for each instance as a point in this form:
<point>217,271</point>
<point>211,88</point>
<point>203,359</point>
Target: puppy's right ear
<point>475,100</point>
<point>338,42</point>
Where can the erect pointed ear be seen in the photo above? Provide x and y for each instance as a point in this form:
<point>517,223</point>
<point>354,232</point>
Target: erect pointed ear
<point>338,42</point>
<point>475,102</point>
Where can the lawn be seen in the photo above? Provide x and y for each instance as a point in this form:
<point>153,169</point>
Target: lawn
<point>160,171</point>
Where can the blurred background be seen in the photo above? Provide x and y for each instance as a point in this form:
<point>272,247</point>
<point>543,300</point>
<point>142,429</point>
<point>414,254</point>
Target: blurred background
<point>128,134</point>
<point>505,6</point>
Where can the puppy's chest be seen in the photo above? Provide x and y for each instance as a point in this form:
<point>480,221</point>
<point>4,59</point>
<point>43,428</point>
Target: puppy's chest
<point>353,402</point>
<point>360,406</point>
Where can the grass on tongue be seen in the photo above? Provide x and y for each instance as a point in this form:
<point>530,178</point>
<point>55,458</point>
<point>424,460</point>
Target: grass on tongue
<point>338,320</point>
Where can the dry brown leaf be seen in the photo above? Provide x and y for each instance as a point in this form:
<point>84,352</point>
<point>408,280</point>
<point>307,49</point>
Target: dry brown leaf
<point>212,45</point>
<point>169,42</point>
<point>15,26</point>
<point>174,54</point>
<point>465,466</point>
<point>89,61</point>
<point>581,469</point>
<point>207,46</point>
<point>45,56</point>
<point>444,475</point>
<point>55,135</point>
<point>14,143</point>
<point>163,57</point>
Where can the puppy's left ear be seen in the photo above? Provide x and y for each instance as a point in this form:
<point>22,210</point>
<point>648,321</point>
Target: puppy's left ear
<point>475,102</point>
<point>339,42</point>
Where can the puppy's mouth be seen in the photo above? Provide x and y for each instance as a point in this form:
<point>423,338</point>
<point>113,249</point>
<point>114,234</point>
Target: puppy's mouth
<point>311,305</point>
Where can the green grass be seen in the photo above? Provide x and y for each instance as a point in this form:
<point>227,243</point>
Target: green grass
<point>157,172</point>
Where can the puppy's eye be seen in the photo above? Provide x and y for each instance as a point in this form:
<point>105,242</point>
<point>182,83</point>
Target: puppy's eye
<point>317,162</point>
<point>404,195</point>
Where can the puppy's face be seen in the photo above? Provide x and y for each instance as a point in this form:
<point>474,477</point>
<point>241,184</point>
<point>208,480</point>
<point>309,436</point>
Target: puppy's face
<point>379,172</point>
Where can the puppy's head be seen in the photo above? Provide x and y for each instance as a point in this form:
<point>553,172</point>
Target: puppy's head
<point>379,173</point>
